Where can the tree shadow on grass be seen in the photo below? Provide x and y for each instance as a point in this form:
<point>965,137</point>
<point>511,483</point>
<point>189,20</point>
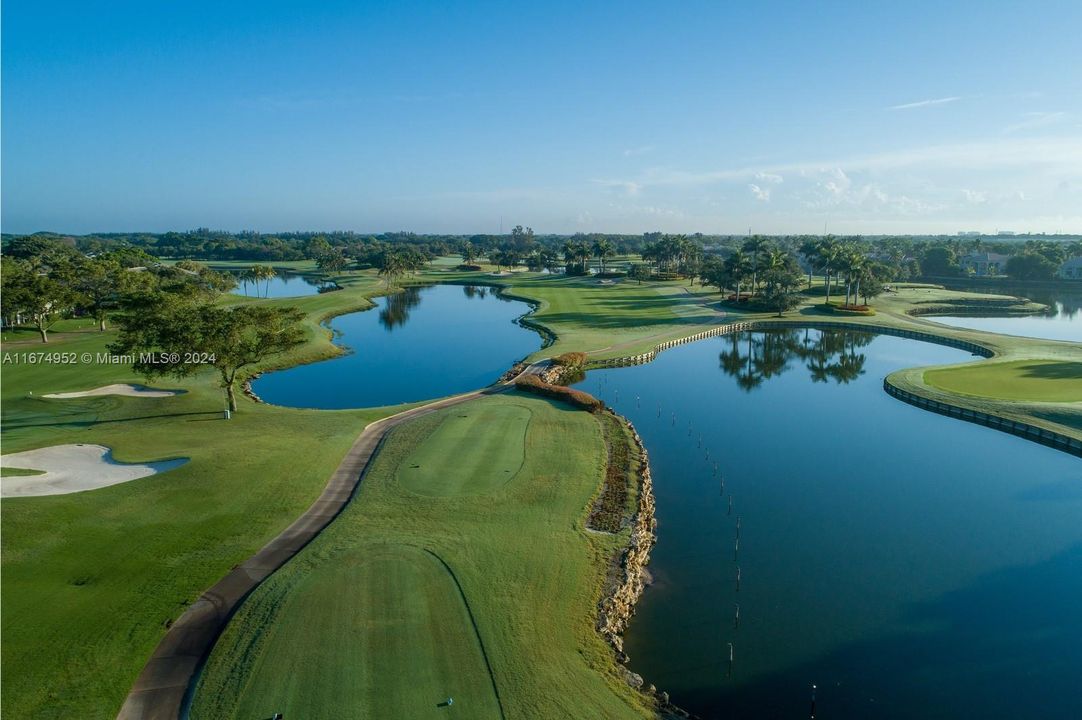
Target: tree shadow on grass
<point>1053,371</point>
<point>1004,647</point>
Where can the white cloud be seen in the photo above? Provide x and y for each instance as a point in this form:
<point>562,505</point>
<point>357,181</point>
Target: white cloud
<point>925,103</point>
<point>1036,121</point>
<point>632,152</point>
<point>769,177</point>
<point>625,187</point>
<point>759,193</point>
<point>975,197</point>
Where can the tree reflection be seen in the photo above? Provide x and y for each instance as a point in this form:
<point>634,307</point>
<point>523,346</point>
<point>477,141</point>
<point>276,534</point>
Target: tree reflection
<point>754,358</point>
<point>397,310</point>
<point>475,291</point>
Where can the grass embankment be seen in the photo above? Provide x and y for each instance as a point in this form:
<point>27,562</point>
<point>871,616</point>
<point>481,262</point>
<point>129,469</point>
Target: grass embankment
<point>606,318</point>
<point>92,579</point>
<point>371,619</point>
<point>1040,380</point>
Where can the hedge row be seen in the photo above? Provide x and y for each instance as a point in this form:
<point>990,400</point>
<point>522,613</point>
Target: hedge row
<point>577,398</point>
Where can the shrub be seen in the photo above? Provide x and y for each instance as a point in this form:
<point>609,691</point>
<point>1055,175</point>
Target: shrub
<point>576,398</point>
<point>841,309</point>
<point>570,359</point>
<point>468,267</point>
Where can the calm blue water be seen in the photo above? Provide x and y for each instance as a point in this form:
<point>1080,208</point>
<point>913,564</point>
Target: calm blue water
<point>1059,324</point>
<point>281,286</point>
<point>418,344</point>
<point>908,564</point>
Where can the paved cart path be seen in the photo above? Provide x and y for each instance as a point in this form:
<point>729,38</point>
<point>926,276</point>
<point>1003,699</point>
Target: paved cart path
<point>162,687</point>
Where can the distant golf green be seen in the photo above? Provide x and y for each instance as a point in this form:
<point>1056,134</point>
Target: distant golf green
<point>370,620</point>
<point>474,450</point>
<point>1039,380</point>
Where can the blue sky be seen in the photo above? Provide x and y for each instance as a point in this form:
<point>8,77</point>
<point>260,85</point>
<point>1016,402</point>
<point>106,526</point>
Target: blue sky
<point>786,117</point>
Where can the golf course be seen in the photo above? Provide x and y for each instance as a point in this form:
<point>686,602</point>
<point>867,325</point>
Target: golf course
<point>465,549</point>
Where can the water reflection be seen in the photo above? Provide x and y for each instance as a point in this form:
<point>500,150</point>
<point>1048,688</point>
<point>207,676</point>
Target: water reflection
<point>475,291</point>
<point>397,310</point>
<point>753,358</point>
<point>457,339</point>
<point>897,562</point>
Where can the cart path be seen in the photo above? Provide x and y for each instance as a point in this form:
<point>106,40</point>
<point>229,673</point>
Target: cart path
<point>162,689</point>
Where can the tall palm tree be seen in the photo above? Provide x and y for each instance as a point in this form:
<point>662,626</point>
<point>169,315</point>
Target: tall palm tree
<point>737,266</point>
<point>261,272</point>
<point>469,253</point>
<point>570,253</point>
<point>829,251</point>
<point>603,249</point>
<point>755,245</point>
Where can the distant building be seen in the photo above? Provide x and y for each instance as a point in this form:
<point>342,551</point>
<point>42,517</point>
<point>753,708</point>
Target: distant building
<point>1071,270</point>
<point>969,233</point>
<point>984,263</point>
<point>1005,233</point>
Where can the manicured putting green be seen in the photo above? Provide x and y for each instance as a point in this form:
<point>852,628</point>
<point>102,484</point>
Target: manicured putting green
<point>1038,380</point>
<point>390,633</point>
<point>476,449</point>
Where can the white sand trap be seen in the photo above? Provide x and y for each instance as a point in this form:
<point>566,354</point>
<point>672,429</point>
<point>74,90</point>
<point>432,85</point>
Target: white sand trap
<point>73,468</point>
<point>117,389</point>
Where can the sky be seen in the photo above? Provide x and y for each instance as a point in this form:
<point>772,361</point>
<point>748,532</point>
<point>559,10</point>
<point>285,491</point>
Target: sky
<point>714,117</point>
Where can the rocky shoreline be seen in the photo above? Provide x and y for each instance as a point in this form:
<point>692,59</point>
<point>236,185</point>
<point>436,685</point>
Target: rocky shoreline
<point>617,606</point>
<point>246,387</point>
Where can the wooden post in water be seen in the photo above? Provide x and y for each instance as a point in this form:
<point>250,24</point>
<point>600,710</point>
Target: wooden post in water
<point>730,674</point>
<point>730,505</point>
<point>736,549</point>
<point>736,616</point>
<point>738,578</point>
<point>813,703</point>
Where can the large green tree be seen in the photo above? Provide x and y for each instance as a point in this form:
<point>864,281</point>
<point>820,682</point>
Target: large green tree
<point>170,337</point>
<point>40,292</point>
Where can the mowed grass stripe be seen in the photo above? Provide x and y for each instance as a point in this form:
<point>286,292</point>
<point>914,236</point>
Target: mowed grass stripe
<point>530,577</point>
<point>385,634</point>
<point>475,450</point>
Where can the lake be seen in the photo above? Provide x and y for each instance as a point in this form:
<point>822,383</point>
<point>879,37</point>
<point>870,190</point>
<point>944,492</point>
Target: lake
<point>283,285</point>
<point>1062,322</point>
<point>418,344</point>
<point>907,564</point>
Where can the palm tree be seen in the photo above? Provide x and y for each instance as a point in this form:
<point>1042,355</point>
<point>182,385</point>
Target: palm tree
<point>737,267</point>
<point>245,277</point>
<point>852,262</point>
<point>570,253</point>
<point>755,245</point>
<point>603,249</point>
<point>262,272</point>
<point>582,251</point>
<point>829,251</point>
<point>469,253</point>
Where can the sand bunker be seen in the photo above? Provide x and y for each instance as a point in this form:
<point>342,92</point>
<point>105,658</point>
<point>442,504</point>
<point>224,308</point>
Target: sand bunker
<point>119,389</point>
<point>73,468</point>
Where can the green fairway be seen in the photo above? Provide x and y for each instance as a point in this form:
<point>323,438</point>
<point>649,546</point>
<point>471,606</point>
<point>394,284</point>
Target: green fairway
<point>334,623</point>
<point>475,450</point>
<point>1036,380</point>
<point>383,628</point>
<point>92,579</point>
